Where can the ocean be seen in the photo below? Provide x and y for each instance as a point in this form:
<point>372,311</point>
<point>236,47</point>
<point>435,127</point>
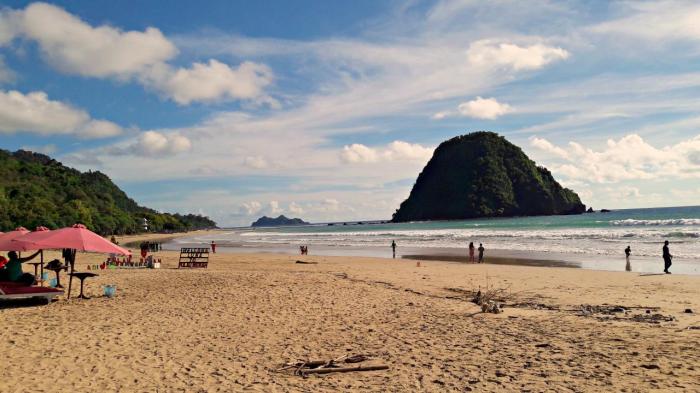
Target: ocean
<point>591,234</point>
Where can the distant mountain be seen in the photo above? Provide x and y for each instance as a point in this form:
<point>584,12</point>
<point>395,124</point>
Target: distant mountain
<point>483,175</point>
<point>266,221</point>
<point>38,190</point>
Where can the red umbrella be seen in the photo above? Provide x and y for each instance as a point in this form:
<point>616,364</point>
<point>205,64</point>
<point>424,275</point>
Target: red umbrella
<point>77,237</point>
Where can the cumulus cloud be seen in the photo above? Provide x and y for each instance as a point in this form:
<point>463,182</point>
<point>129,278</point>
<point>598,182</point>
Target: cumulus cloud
<point>629,158</point>
<point>294,208</point>
<point>486,53</point>
<point>274,208</point>
<point>212,81</point>
<point>153,144</point>
<point>547,146</point>
<point>395,151</point>
<point>250,208</point>
<point>484,108</point>
<point>35,112</point>
<point>75,47</point>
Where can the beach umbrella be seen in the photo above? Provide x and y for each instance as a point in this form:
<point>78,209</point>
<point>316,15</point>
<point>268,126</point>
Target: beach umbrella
<point>77,237</point>
<point>6,243</point>
<point>14,245</point>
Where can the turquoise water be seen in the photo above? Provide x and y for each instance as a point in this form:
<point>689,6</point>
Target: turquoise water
<point>595,233</point>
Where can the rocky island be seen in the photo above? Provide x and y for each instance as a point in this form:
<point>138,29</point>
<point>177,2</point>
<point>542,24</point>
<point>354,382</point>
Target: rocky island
<point>483,175</point>
<point>266,221</point>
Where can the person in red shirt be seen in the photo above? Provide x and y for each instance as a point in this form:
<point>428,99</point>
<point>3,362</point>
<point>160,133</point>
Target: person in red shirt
<point>213,247</point>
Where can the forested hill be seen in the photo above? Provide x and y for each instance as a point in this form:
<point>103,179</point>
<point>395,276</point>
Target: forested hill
<point>483,175</point>
<point>38,190</point>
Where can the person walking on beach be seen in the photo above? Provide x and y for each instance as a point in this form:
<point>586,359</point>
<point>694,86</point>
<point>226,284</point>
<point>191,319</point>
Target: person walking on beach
<point>213,247</point>
<point>393,249</point>
<point>628,251</point>
<point>481,253</point>
<point>471,252</point>
<point>667,257</point>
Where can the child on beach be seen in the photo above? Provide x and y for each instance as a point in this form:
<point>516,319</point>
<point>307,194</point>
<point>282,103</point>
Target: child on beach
<point>471,252</point>
<point>481,253</point>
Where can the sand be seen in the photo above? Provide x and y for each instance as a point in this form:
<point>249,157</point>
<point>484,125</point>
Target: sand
<point>227,328</point>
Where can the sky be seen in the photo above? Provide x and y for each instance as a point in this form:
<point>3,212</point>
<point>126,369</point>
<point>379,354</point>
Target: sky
<point>328,110</point>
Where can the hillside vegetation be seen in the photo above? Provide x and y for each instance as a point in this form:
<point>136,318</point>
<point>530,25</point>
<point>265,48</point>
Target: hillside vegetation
<point>38,190</point>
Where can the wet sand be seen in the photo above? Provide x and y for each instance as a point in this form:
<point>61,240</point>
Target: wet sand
<point>228,328</point>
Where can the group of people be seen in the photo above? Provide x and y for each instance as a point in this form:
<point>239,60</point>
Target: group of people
<point>304,250</point>
<point>481,250</point>
<point>665,254</point>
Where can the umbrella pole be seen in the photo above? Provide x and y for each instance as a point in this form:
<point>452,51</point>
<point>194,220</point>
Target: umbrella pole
<point>70,279</point>
<point>41,277</point>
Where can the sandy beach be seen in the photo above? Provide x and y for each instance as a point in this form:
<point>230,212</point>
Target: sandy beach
<point>229,327</point>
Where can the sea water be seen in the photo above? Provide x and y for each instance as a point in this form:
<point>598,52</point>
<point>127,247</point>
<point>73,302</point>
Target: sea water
<point>591,233</point>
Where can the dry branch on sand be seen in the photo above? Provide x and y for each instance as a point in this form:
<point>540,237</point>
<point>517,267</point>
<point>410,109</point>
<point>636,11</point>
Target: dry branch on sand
<point>304,368</point>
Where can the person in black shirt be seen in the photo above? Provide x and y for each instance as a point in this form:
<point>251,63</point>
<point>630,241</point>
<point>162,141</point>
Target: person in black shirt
<point>667,257</point>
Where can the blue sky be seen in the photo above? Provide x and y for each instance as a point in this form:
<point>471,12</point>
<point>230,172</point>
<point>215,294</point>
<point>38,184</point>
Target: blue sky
<point>328,110</point>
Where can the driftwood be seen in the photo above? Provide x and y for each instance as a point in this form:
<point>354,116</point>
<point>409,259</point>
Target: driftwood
<point>307,263</point>
<point>344,369</point>
<point>304,368</point>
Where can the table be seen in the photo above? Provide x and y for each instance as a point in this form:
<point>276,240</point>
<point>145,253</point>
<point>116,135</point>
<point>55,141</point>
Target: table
<point>58,276</point>
<point>82,276</point>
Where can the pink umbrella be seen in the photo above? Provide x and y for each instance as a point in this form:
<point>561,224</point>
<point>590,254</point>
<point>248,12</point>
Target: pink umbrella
<point>6,243</point>
<point>14,245</point>
<point>77,237</point>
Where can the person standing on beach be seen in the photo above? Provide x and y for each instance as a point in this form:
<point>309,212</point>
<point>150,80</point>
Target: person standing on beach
<point>481,253</point>
<point>628,251</point>
<point>667,257</point>
<point>471,252</point>
<point>213,247</point>
<point>393,249</point>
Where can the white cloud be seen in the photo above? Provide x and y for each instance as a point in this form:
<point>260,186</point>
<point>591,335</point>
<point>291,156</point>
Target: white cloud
<point>250,208</point>
<point>655,21</point>
<point>75,47</point>
<point>486,53</point>
<point>99,129</point>
<point>359,153</point>
<point>629,158</point>
<point>484,108</point>
<point>294,208</point>
<point>155,144</point>
<point>440,115</point>
<point>212,82</point>
<point>274,208</point>
<point>547,146</point>
<point>394,151</point>
<point>35,112</point>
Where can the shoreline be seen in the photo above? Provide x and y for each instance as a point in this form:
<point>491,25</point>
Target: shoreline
<point>454,255</point>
